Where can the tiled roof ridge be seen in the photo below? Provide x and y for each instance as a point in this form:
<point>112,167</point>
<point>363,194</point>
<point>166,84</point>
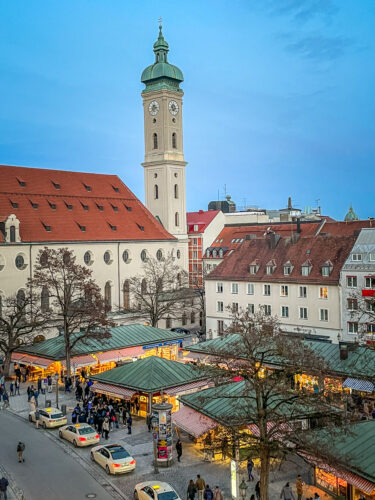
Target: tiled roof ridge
<point>84,196</point>
<point>58,170</point>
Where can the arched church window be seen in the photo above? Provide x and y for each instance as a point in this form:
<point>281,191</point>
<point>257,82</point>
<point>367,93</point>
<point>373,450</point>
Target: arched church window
<point>44,299</point>
<point>174,140</point>
<point>155,138</point>
<point>156,191</point>
<point>12,234</point>
<point>126,294</point>
<point>176,191</point>
<point>176,219</point>
<point>108,295</point>
<point>143,286</point>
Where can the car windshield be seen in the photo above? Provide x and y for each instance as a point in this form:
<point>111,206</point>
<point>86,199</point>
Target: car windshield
<point>167,495</point>
<point>86,430</point>
<point>55,415</point>
<point>118,453</point>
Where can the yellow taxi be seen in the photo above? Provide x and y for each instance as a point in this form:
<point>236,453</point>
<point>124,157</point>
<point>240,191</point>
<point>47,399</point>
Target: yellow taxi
<point>79,434</point>
<point>49,417</point>
<point>113,458</point>
<point>156,490</point>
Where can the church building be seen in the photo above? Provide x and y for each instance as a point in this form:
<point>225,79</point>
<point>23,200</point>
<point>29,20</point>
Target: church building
<point>96,215</point>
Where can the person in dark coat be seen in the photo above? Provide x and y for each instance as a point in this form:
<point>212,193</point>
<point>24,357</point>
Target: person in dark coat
<point>191,490</point>
<point>179,450</point>
<point>130,423</point>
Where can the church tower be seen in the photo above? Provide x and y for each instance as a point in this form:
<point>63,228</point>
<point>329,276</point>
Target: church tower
<point>164,165</point>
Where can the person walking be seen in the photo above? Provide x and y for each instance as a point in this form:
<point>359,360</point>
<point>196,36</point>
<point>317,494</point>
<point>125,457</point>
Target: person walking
<point>218,494</point>
<point>3,488</point>
<point>148,422</point>
<point>37,417</point>
<point>179,450</point>
<point>249,466</point>
<point>129,422</point>
<point>191,490</point>
<point>11,389</point>
<point>105,428</point>
<point>316,496</point>
<point>17,387</point>
<point>208,493</point>
<point>299,487</point>
<point>20,450</point>
<point>5,399</point>
<point>200,485</point>
<point>257,490</point>
<point>287,493</point>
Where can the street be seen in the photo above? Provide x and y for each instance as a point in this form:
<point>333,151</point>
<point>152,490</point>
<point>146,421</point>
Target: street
<point>48,472</point>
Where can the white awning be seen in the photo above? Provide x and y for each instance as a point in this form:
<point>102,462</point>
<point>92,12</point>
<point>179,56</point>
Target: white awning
<point>193,422</point>
<point>112,390</point>
<point>359,385</point>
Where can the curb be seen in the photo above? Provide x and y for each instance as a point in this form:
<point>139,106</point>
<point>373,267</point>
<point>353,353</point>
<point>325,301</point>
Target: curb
<point>14,492</point>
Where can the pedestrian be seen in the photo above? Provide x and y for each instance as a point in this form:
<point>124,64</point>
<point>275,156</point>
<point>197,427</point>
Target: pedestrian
<point>208,493</point>
<point>105,428</point>
<point>36,395</point>
<point>218,494</point>
<point>3,487</point>
<point>11,388</point>
<point>17,387</point>
<point>179,450</point>
<point>191,490</point>
<point>316,496</point>
<point>148,422</point>
<point>39,384</point>
<point>252,497</point>
<point>200,484</point>
<point>257,490</point>
<point>20,450</point>
<point>37,417</point>
<point>250,465</point>
<point>287,493</point>
<point>5,399</point>
<point>224,447</point>
<point>299,487</point>
<point>49,383</point>
<point>129,422</point>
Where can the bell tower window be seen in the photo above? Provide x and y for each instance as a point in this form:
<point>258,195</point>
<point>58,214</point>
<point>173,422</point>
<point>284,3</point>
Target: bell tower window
<point>12,234</point>
<point>155,139</point>
<point>156,192</point>
<point>176,219</point>
<point>176,191</point>
<point>174,140</point>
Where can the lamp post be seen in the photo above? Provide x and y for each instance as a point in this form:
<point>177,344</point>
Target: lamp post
<point>57,389</point>
<point>243,488</point>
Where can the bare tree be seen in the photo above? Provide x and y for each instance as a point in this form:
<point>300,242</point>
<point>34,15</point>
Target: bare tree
<point>73,296</point>
<point>160,291</point>
<point>362,312</point>
<point>20,318</point>
<point>265,400</point>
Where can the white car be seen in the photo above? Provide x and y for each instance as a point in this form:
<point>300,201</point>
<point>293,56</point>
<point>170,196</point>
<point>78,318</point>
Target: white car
<point>155,490</point>
<point>49,417</point>
<point>113,458</point>
<point>79,434</point>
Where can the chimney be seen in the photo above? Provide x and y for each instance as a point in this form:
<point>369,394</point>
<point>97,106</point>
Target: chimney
<point>344,351</point>
<point>289,203</point>
<point>298,225</point>
<point>273,239</point>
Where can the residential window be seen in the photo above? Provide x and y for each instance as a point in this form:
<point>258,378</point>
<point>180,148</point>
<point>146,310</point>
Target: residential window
<point>284,311</point>
<point>220,306</point>
<point>371,328</point>
<point>370,281</point>
<point>221,253</point>
<point>352,327</point>
<point>356,257</point>
<point>44,299</point>
<point>250,289</point>
<point>323,292</point>
<point>143,256</point>
<point>267,310</point>
<point>220,326</point>
<point>305,270</point>
<point>234,307</point>
<point>214,253</point>
<point>303,292</point>
<point>219,288</point>
<point>195,241</point>
<point>288,269</point>
<point>253,269</point>
<point>303,313</point>
<point>207,253</point>
<point>352,304</point>
<point>195,254</point>
<point>326,271</point>
<point>323,314</point>
<point>235,288</point>
<point>372,256</point>
<point>267,290</point>
<point>269,269</point>
<point>251,308</point>
<point>284,290</point>
<point>195,227</point>
<point>370,305</point>
<point>351,281</point>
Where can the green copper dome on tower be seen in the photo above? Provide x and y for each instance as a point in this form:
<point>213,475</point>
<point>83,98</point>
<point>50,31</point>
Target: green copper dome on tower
<point>351,215</point>
<point>162,74</point>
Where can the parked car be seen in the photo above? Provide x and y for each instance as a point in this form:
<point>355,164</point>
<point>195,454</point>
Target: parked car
<point>79,434</point>
<point>113,458</point>
<point>49,417</point>
<point>156,490</point>
<point>180,330</point>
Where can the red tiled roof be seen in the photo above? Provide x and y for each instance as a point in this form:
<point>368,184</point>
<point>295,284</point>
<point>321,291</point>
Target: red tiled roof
<point>74,206</point>
<point>201,218</point>
<point>317,249</point>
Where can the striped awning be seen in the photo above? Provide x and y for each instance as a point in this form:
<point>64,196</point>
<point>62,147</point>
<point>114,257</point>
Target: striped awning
<point>28,359</point>
<point>112,390</point>
<point>81,361</point>
<point>119,354</point>
<point>181,389</point>
<point>359,385</point>
<point>193,422</point>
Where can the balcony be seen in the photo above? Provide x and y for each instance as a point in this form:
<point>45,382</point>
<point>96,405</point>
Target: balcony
<point>367,292</point>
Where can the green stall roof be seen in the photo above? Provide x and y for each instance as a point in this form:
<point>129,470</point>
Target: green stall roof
<point>151,374</point>
<point>353,451</point>
<point>360,361</point>
<point>121,338</point>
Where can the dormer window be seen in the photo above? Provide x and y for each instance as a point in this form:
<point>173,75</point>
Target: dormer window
<point>115,208</point>
<point>195,228</point>
<point>114,228</point>
<point>207,253</point>
<point>142,228</point>
<point>221,253</point>
<point>356,257</point>
<point>306,268</point>
<point>14,204</point>
<point>85,207</point>
<point>21,182</point>
<point>100,207</point>
<point>270,267</point>
<point>34,205</point>
<point>214,253</point>
<point>253,269</point>
<point>116,189</point>
<point>68,206</point>
<point>46,227</point>
<point>82,228</point>
<point>327,268</point>
<point>288,268</point>
<point>56,185</point>
<point>52,205</point>
<point>88,188</point>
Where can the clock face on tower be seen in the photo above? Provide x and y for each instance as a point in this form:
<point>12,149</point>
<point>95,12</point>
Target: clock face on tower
<point>153,108</point>
<point>173,107</point>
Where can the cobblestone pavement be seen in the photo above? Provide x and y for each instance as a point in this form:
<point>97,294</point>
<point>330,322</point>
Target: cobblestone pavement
<point>139,445</point>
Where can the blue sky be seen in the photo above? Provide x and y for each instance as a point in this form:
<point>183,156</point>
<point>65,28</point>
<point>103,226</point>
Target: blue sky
<point>279,94</point>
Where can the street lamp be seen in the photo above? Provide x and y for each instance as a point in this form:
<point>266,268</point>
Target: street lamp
<point>57,389</point>
<point>243,488</point>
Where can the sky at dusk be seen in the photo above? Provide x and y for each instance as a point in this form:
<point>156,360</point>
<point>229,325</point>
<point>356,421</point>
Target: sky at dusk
<point>279,94</point>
